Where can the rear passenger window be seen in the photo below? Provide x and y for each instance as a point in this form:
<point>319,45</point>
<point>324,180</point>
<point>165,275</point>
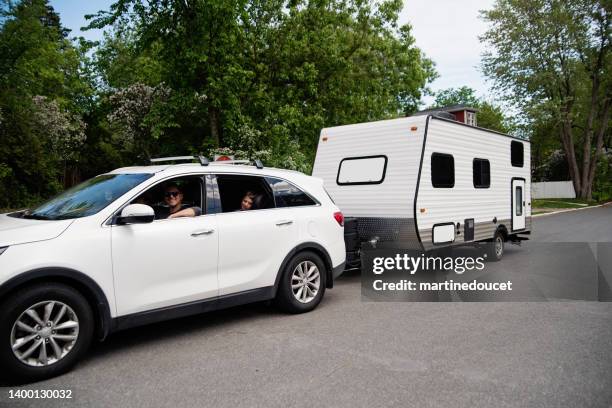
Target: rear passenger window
<point>442,170</point>
<point>288,195</point>
<point>234,188</point>
<point>516,154</point>
<point>481,169</point>
<point>362,170</point>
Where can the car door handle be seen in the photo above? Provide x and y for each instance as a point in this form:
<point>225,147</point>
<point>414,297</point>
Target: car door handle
<point>284,222</point>
<point>203,232</point>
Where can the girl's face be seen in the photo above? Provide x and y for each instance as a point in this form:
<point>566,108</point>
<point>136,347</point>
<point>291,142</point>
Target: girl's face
<point>246,204</point>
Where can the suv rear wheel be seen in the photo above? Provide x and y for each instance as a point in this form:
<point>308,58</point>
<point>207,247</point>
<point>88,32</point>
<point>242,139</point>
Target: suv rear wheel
<point>302,284</point>
<point>44,330</point>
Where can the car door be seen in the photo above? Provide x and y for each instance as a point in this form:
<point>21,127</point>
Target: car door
<point>166,262</point>
<point>252,243</point>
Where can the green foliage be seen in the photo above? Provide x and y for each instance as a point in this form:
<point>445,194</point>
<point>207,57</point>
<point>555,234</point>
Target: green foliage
<point>552,60</point>
<point>40,76</point>
<point>489,115</point>
<point>285,69</point>
<point>255,78</point>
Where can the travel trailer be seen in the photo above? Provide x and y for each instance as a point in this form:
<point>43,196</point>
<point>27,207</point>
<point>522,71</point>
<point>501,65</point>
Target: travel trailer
<point>426,182</point>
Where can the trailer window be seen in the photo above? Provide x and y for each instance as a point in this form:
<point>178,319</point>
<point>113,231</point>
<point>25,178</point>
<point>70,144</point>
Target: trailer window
<point>516,154</point>
<point>362,170</point>
<point>519,201</point>
<point>442,170</point>
<point>481,170</point>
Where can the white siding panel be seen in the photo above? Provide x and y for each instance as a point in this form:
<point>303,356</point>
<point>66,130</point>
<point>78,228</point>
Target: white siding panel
<point>464,201</point>
<point>394,197</point>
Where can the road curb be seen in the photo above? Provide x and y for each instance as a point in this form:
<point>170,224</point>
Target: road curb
<point>569,210</point>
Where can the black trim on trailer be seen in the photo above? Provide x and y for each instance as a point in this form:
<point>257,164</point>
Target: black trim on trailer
<point>78,280</point>
<point>439,225</point>
<point>514,160</point>
<point>480,128</point>
<point>484,185</point>
<point>416,192</point>
<point>441,185</point>
<point>361,183</point>
<point>512,230</point>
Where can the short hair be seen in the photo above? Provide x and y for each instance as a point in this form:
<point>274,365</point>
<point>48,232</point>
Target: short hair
<point>172,185</point>
<point>250,195</point>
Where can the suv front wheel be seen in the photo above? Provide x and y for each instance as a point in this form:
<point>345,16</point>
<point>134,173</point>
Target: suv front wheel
<point>44,330</point>
<point>302,284</point>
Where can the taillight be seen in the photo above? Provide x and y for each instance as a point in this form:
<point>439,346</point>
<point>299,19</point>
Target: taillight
<point>339,217</point>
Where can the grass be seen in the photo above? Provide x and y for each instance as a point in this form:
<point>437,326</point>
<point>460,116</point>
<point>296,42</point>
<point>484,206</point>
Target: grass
<point>561,203</point>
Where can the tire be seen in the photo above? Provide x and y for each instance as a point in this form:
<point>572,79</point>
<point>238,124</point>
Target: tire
<point>56,339</point>
<point>495,247</point>
<point>287,297</point>
<point>351,241</point>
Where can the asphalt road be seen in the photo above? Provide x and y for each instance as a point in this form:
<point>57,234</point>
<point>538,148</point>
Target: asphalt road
<point>349,353</point>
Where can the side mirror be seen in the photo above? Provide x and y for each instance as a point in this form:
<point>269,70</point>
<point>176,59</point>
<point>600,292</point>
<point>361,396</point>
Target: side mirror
<point>136,214</point>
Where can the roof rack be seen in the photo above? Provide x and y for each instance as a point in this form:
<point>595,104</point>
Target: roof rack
<point>205,162</point>
<point>257,163</point>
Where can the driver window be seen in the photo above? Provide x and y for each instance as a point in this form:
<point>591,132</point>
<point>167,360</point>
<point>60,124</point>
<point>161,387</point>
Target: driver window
<point>174,198</point>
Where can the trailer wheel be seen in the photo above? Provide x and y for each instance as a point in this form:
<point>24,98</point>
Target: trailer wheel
<point>495,248</point>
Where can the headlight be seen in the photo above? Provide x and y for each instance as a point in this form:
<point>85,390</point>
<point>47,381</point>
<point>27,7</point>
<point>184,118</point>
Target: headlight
<point>2,249</point>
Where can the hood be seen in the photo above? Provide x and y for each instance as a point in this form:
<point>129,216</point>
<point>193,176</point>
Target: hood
<point>15,231</point>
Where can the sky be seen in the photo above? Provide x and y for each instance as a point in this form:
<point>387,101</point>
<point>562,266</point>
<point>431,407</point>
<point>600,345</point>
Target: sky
<point>445,30</point>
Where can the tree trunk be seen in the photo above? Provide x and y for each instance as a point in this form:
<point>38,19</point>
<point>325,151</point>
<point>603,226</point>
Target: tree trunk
<point>588,136</point>
<point>603,126</point>
<point>213,119</point>
<point>565,133</point>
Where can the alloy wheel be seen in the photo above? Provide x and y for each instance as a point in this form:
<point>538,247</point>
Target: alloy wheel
<point>45,333</point>
<point>305,281</point>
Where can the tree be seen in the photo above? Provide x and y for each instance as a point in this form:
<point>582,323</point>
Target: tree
<point>490,116</point>
<point>554,56</point>
<point>40,76</point>
<point>283,69</point>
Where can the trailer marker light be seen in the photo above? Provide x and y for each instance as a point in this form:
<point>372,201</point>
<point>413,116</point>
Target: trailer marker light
<point>423,210</point>
<point>414,128</point>
<point>324,138</point>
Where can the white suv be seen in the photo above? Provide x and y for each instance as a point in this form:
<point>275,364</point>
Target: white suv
<point>108,254</point>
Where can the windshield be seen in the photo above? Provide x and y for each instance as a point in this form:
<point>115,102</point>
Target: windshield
<point>88,197</point>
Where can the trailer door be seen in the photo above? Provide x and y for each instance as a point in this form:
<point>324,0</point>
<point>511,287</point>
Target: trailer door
<point>518,204</point>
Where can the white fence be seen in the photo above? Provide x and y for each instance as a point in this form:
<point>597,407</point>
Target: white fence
<point>553,189</point>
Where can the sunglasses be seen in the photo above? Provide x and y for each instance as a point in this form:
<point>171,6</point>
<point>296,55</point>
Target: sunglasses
<point>169,194</point>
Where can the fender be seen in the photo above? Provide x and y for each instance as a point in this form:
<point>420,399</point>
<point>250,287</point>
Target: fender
<point>319,250</point>
<point>78,280</point>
